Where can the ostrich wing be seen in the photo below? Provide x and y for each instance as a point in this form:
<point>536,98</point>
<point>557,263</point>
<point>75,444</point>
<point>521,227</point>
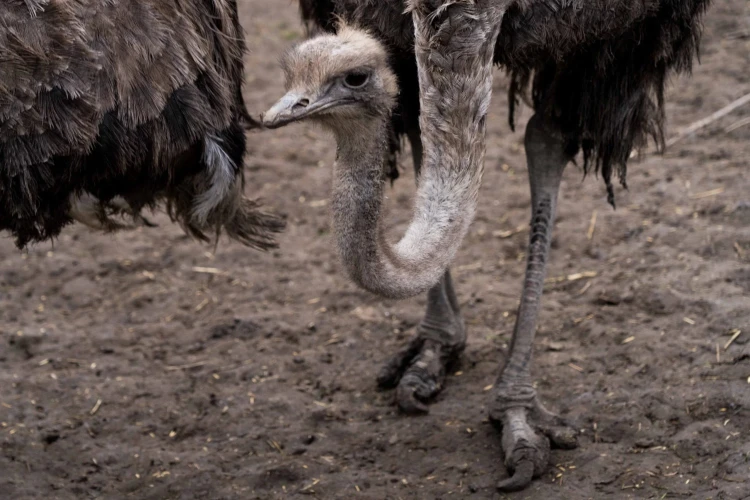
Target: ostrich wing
<point>116,98</point>
<point>65,64</point>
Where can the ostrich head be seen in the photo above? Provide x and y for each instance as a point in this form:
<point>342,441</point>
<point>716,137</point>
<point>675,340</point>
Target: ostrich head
<point>335,80</point>
<point>344,83</point>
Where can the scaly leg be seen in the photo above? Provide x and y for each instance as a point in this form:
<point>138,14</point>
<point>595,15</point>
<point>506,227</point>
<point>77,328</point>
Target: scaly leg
<point>514,401</point>
<point>418,371</point>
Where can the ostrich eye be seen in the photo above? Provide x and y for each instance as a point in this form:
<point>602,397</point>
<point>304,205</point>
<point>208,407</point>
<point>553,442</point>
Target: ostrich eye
<point>356,80</point>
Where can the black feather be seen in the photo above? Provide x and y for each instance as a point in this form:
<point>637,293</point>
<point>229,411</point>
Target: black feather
<point>596,68</point>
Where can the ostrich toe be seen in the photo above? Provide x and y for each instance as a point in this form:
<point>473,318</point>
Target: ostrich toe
<point>418,372</point>
<point>528,433</point>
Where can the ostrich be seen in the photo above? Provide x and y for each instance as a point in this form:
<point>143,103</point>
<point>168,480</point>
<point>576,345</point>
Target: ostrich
<point>109,107</point>
<point>597,72</point>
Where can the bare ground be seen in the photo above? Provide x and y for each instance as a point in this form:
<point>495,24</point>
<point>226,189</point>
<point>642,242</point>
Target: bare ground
<point>141,365</point>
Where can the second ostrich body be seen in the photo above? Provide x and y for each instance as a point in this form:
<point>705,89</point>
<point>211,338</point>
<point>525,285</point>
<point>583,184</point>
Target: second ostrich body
<point>597,71</point>
<point>107,107</point>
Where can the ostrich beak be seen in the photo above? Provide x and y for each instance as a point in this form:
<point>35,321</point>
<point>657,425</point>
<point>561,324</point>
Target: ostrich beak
<point>296,106</point>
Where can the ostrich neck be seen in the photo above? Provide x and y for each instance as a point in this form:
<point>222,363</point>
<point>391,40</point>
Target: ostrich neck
<point>455,79</point>
<point>445,206</point>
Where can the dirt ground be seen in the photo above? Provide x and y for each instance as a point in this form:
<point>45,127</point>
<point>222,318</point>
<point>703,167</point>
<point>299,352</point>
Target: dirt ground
<point>143,365</point>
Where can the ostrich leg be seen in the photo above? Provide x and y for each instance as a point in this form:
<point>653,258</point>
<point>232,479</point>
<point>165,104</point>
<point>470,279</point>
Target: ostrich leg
<point>514,402</point>
<point>418,371</point>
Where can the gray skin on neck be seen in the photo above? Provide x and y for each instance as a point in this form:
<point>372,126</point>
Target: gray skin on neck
<point>343,82</point>
<point>356,200</point>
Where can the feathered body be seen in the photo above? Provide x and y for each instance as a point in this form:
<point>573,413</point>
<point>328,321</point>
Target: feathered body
<point>597,68</point>
<point>111,105</point>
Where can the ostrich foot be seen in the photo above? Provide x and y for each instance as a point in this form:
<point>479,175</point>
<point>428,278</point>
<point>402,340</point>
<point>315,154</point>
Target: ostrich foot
<point>418,371</point>
<point>528,429</point>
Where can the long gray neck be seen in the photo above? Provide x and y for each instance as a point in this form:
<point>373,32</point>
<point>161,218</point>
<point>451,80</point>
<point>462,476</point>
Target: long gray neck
<point>455,89</point>
<point>444,209</point>
<point>357,206</point>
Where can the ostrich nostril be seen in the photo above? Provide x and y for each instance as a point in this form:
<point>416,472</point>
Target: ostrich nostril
<point>302,103</point>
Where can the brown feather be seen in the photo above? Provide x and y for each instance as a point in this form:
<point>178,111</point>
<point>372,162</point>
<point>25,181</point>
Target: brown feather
<point>122,98</point>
